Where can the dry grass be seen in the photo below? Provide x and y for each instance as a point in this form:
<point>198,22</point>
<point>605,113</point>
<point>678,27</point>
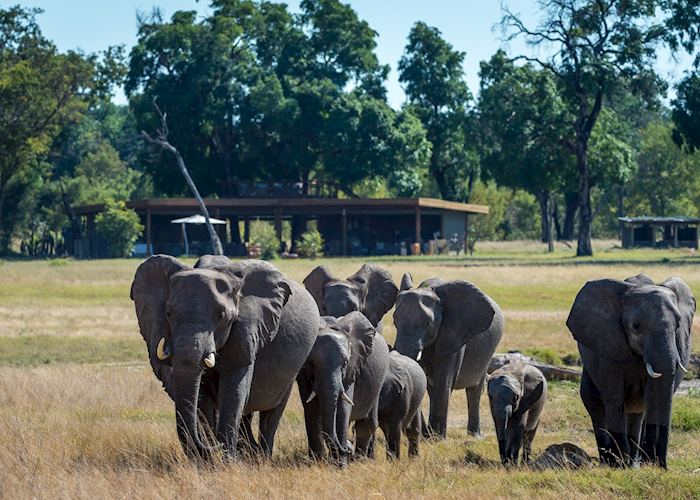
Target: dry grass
<point>81,418</point>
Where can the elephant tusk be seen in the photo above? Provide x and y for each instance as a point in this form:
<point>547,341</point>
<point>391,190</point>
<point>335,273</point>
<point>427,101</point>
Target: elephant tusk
<point>680,365</point>
<point>311,396</point>
<point>509,413</point>
<point>346,398</point>
<point>651,372</point>
<point>210,360</point>
<point>420,355</point>
<point>162,351</point>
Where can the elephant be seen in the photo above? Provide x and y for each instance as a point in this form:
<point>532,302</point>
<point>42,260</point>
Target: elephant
<point>370,290</point>
<point>634,338</point>
<point>225,339</point>
<point>340,383</point>
<point>399,404</point>
<point>452,329</point>
<point>517,394</point>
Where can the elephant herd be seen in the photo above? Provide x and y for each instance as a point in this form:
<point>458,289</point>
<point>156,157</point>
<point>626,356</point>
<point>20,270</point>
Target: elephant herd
<point>229,339</point>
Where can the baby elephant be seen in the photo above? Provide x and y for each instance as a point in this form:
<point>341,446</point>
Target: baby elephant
<point>517,392</point>
<point>399,404</point>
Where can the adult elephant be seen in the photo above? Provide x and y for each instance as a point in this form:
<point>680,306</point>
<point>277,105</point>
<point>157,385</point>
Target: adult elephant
<point>452,329</point>
<point>340,383</point>
<point>634,339</point>
<point>224,338</point>
<point>370,290</point>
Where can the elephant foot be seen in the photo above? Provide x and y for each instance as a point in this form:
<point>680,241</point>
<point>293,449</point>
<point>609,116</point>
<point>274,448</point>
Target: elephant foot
<point>476,434</point>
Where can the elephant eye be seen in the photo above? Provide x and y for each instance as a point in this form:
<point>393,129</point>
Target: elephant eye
<point>635,325</point>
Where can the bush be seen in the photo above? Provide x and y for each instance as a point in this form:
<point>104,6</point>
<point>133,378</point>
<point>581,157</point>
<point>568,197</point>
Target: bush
<point>263,233</point>
<point>120,227</point>
<point>311,244</point>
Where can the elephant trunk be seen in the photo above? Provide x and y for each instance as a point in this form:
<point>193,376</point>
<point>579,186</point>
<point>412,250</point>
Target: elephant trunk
<point>186,383</point>
<point>501,421</point>
<point>658,399</point>
<point>329,396</point>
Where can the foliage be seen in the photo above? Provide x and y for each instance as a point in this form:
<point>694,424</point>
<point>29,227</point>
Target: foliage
<point>119,227</point>
<point>431,70</point>
<point>263,233</point>
<point>513,214</point>
<point>667,182</point>
<point>311,244</point>
<point>686,111</point>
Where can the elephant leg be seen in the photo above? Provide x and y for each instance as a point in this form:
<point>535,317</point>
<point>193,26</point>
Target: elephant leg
<point>233,394</point>
<point>246,441</point>
<point>528,438</point>
<point>594,405</point>
<point>443,375</point>
<point>473,399</point>
<point>413,432</point>
<point>634,433</point>
<point>426,431</point>
<point>393,440</point>
<point>269,421</point>
<point>616,423</point>
<point>364,434</point>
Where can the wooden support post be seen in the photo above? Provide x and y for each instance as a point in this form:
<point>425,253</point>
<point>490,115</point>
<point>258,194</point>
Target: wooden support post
<point>674,230</point>
<point>91,237</point>
<point>466,233</point>
<point>345,232</point>
<point>697,237</point>
<point>278,223</point>
<point>418,225</point>
<point>246,230</point>
<point>149,243</point>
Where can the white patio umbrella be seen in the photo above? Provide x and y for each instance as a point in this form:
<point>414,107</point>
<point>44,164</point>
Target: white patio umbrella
<point>193,219</point>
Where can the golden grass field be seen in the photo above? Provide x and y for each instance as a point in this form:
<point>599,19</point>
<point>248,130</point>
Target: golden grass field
<point>81,414</point>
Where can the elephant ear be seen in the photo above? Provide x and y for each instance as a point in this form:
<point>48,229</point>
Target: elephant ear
<point>315,283</point>
<point>149,291</point>
<point>529,399</point>
<point>262,296</point>
<point>406,282</point>
<point>640,279</point>
<point>595,319</point>
<point>361,334</point>
<point>686,306</point>
<point>466,312</point>
<point>379,291</point>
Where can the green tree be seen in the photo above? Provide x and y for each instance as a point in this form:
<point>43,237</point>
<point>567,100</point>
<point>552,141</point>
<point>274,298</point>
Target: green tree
<point>431,71</point>
<point>120,227</point>
<point>40,90</point>
<point>521,117</point>
<point>686,111</point>
<point>596,46</point>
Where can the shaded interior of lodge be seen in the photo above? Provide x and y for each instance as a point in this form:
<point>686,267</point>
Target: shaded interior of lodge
<point>659,232</point>
<point>350,226</point>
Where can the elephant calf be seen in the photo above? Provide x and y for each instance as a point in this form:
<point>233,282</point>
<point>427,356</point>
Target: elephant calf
<point>399,404</point>
<point>517,393</point>
<point>340,383</point>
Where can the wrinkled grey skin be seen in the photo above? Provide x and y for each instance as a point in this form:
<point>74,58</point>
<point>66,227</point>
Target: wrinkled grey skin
<point>456,329</point>
<point>621,328</point>
<point>260,326</point>
<point>349,357</point>
<point>517,393</point>
<point>399,404</point>
<point>370,290</point>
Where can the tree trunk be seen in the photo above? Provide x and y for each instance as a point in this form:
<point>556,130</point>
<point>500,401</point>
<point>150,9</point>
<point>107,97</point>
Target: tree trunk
<point>571,207</point>
<point>555,220</point>
<point>584,247</point>
<point>546,216</point>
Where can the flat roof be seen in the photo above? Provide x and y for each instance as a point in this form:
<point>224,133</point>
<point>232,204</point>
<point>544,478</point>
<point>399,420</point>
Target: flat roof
<point>660,220</point>
<point>304,205</point>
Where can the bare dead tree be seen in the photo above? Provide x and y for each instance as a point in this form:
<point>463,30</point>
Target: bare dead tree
<point>161,139</point>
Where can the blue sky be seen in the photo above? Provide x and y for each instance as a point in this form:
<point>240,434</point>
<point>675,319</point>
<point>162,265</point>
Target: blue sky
<point>468,25</point>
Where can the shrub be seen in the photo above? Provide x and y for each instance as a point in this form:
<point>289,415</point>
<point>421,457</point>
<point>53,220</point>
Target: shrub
<point>263,233</point>
<point>311,244</point>
<point>686,414</point>
<point>120,227</point>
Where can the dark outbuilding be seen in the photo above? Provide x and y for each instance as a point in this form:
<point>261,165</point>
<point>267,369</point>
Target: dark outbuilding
<point>660,232</point>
